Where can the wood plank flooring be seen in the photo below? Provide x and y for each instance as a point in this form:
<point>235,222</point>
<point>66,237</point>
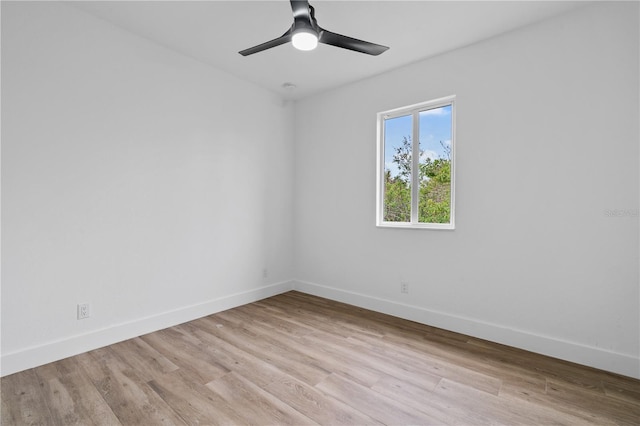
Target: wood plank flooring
<point>298,359</point>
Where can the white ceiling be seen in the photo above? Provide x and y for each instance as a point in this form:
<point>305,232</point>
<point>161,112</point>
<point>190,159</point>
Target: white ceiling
<point>214,31</point>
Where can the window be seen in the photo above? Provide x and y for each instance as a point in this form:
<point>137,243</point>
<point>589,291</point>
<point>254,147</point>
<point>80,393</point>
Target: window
<point>416,166</point>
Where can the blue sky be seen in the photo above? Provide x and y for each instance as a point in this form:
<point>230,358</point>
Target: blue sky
<point>435,126</point>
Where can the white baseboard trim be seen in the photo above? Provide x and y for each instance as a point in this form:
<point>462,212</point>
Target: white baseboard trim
<point>569,351</point>
<point>56,350</point>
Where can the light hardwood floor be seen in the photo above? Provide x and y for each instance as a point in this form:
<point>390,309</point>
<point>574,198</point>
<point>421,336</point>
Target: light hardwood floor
<point>298,359</point>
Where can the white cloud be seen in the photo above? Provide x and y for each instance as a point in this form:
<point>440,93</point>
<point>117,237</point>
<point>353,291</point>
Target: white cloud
<point>392,167</point>
<point>436,111</point>
<point>428,154</point>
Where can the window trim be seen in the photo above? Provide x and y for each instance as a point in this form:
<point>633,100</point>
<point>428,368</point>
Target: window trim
<point>413,110</point>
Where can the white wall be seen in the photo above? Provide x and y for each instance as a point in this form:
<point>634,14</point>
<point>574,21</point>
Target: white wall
<point>143,182</point>
<point>547,127</point>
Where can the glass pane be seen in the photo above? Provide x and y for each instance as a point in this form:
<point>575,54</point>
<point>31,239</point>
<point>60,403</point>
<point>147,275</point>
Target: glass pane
<point>397,169</point>
<point>434,205</point>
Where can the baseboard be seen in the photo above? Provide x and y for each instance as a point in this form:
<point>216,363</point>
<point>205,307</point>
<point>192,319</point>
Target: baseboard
<point>569,351</point>
<point>53,351</point>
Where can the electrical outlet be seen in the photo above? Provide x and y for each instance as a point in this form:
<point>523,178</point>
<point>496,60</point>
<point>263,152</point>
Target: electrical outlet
<point>404,287</point>
<point>84,310</point>
<point>265,273</point>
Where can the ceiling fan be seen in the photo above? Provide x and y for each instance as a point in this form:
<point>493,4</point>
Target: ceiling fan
<point>305,34</point>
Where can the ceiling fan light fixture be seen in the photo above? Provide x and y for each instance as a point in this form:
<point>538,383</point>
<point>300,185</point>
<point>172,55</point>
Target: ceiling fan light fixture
<point>304,39</point>
<point>305,34</point>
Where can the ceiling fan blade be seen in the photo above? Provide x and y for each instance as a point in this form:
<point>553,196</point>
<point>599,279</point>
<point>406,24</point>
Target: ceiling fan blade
<point>300,9</point>
<point>339,40</point>
<point>285,38</point>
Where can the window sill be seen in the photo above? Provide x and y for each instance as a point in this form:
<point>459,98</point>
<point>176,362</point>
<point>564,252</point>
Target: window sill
<point>403,225</point>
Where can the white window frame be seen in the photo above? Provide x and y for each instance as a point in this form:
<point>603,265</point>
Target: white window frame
<point>414,111</point>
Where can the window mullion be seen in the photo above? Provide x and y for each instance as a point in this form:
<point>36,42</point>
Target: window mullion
<point>415,167</point>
